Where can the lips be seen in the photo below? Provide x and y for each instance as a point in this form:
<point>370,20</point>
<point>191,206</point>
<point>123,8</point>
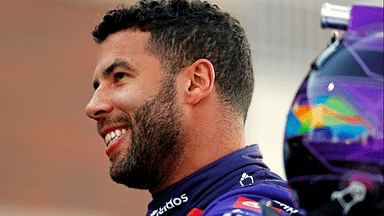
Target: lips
<point>113,137</point>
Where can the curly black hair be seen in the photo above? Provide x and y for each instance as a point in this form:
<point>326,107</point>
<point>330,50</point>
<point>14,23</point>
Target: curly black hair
<point>182,32</point>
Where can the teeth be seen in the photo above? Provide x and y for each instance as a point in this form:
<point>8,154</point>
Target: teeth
<point>118,133</point>
<point>114,135</point>
<point>107,138</point>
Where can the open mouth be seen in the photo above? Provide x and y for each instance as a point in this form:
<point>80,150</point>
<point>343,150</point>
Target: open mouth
<point>113,135</point>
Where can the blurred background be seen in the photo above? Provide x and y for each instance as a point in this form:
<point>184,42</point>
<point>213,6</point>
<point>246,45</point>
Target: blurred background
<point>52,162</point>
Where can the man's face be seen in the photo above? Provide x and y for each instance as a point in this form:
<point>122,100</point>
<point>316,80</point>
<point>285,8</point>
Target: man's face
<point>135,107</point>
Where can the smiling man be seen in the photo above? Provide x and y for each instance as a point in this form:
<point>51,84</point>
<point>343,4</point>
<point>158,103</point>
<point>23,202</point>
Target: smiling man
<point>173,84</point>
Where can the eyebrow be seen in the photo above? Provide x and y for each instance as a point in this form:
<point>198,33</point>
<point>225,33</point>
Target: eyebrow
<point>117,63</point>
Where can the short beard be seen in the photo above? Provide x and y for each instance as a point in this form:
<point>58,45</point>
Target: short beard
<point>156,142</point>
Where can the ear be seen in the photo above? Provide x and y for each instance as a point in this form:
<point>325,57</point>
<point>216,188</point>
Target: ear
<point>201,79</point>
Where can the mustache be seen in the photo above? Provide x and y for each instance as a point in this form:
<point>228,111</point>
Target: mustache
<point>123,119</point>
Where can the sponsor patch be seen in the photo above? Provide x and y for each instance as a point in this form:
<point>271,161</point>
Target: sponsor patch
<point>246,203</point>
<point>195,212</point>
<point>237,212</point>
<point>287,208</point>
<point>243,202</point>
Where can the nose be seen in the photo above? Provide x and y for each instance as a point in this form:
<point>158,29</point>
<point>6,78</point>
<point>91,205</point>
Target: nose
<point>99,105</point>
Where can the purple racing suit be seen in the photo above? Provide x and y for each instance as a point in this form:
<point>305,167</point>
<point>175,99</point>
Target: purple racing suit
<point>233,185</point>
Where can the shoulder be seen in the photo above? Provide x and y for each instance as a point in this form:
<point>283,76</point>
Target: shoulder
<point>249,201</point>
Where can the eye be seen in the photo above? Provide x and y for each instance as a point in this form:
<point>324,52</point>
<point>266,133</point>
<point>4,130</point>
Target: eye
<point>118,76</point>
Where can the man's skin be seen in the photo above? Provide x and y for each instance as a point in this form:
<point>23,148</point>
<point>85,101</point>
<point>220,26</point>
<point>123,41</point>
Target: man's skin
<point>210,131</point>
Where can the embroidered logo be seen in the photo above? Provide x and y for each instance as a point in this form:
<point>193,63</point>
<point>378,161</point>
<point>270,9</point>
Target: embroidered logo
<point>246,180</point>
<point>172,203</point>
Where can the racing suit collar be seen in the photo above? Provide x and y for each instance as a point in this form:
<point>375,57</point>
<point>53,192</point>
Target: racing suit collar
<point>202,187</point>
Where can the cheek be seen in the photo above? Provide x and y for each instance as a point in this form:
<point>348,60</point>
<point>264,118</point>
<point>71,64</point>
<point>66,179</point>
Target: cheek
<point>130,98</point>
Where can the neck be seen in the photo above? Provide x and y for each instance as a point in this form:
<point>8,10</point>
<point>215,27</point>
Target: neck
<point>210,137</point>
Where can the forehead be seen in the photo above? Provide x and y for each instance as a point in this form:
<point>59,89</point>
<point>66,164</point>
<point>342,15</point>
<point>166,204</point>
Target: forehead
<point>127,45</point>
